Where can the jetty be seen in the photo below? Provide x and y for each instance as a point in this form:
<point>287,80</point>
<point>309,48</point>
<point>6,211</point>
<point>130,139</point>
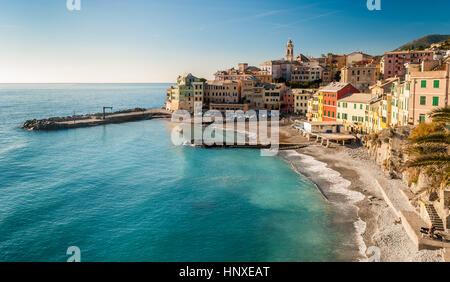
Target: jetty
<point>281,146</point>
<point>90,120</point>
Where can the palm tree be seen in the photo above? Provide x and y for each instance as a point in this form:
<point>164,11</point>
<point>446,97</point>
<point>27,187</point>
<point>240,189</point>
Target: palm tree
<point>441,115</point>
<point>432,149</point>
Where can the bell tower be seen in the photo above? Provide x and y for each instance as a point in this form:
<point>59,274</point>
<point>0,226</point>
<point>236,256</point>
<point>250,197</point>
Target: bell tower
<point>290,51</point>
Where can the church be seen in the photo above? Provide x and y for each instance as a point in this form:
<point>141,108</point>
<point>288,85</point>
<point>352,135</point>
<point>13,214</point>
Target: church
<point>283,68</point>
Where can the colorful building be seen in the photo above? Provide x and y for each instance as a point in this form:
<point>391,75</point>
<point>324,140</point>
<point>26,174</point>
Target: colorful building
<point>428,90</point>
<point>287,107</point>
<point>273,93</point>
<point>243,72</point>
<point>383,87</point>
<point>399,97</point>
<point>186,94</point>
<point>252,93</point>
<point>385,111</point>
<point>328,99</point>
<point>308,71</point>
<point>356,57</point>
<point>394,62</point>
<point>313,108</point>
<point>301,98</point>
<point>373,123</point>
<point>353,112</point>
<point>361,77</point>
<point>221,92</point>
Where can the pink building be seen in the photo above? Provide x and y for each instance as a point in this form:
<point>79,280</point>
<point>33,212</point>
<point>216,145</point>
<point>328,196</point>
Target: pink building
<point>394,62</point>
<point>429,90</point>
<point>288,102</point>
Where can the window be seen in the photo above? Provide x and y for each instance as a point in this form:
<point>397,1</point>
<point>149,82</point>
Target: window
<point>423,84</point>
<point>354,106</point>
<point>361,107</point>
<point>339,115</point>
<point>339,104</point>
<point>421,118</point>
<point>435,84</point>
<point>436,101</point>
<point>423,100</point>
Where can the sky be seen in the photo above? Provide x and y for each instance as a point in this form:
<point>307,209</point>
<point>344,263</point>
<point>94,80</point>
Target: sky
<point>41,41</point>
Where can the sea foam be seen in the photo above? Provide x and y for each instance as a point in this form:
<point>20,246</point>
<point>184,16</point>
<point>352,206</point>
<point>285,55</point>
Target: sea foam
<point>305,164</point>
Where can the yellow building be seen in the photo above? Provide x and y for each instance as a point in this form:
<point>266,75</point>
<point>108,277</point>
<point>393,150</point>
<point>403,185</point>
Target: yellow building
<point>313,108</point>
<point>385,116</point>
<point>319,106</point>
<point>273,93</point>
<point>251,93</point>
<point>373,123</point>
<point>221,92</point>
<point>361,77</point>
<point>301,97</point>
<point>262,76</point>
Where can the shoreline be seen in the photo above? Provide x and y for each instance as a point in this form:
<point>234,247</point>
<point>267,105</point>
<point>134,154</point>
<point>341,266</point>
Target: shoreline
<point>374,224</point>
<point>346,177</point>
<point>334,188</point>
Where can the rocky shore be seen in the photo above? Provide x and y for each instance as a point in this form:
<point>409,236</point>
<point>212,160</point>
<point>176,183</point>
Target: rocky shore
<point>375,222</point>
<point>79,121</point>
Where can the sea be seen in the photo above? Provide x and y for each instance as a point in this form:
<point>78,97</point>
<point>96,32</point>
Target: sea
<point>125,192</point>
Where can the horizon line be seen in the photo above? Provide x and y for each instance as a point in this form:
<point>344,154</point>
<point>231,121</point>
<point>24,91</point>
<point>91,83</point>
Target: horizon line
<point>83,82</point>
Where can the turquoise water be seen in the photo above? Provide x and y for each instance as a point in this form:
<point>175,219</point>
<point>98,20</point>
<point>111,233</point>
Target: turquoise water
<point>124,193</point>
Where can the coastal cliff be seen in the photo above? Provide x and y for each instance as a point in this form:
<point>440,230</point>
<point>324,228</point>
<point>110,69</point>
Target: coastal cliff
<point>389,148</point>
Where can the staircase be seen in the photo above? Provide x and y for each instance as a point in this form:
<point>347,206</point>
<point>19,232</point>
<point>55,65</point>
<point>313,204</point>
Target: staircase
<point>434,217</point>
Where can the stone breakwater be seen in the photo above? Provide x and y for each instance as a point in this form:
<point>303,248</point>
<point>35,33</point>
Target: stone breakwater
<point>79,121</point>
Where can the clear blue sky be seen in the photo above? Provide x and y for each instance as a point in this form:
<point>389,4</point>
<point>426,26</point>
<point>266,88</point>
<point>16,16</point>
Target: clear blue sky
<point>155,40</point>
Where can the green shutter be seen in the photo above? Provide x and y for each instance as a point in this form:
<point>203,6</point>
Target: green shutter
<point>436,84</point>
<point>423,84</point>
<point>435,101</point>
<point>421,118</point>
<point>423,100</point>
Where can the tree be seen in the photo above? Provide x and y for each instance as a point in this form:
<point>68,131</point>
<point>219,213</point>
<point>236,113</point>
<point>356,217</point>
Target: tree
<point>337,76</point>
<point>430,146</point>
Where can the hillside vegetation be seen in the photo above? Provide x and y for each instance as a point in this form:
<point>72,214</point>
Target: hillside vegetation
<point>425,42</point>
